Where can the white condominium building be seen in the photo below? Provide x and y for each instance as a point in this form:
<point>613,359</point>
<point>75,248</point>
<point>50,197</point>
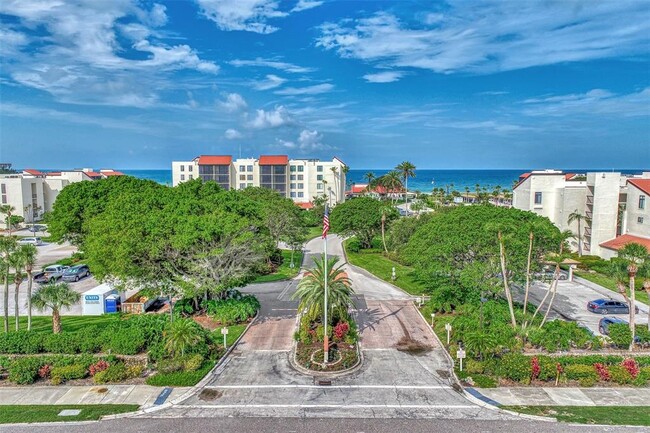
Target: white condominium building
<point>32,192</point>
<point>298,179</point>
<point>616,207</point>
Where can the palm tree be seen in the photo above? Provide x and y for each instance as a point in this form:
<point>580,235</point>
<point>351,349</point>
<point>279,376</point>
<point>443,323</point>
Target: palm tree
<point>579,218</point>
<point>55,296</point>
<point>311,290</point>
<point>8,210</point>
<point>335,172</point>
<point>180,335</point>
<point>29,261</point>
<point>406,169</point>
<point>17,261</point>
<point>636,255</point>
<point>370,176</point>
<point>7,248</point>
<point>391,182</point>
<point>467,193</point>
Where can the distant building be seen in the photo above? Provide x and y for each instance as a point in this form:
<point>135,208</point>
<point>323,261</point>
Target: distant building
<point>616,206</point>
<point>32,192</point>
<point>298,179</point>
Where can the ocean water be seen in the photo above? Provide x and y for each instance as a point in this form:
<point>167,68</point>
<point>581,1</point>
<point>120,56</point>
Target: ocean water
<point>424,180</point>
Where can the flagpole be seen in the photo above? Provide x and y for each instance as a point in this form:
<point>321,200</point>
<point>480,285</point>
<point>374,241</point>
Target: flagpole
<point>325,334</point>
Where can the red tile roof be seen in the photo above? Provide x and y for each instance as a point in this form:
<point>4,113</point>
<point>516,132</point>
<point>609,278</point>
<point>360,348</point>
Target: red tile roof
<point>619,242</point>
<point>112,173</point>
<point>54,173</point>
<point>642,184</point>
<point>274,160</point>
<point>358,189</point>
<point>92,174</point>
<point>215,160</point>
<point>305,205</point>
<point>569,176</point>
<point>33,172</point>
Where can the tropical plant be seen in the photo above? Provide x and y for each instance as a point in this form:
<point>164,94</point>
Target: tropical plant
<point>7,210</point>
<point>180,335</point>
<point>636,256</point>
<point>7,248</point>
<point>311,290</point>
<point>17,262</point>
<point>369,176</point>
<point>55,296</point>
<point>391,182</point>
<point>407,170</point>
<point>576,216</point>
<point>29,261</point>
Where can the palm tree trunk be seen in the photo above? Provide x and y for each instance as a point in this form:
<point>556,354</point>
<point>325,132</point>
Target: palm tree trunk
<point>553,288</point>
<point>383,230</point>
<point>632,310</point>
<point>29,301</point>
<point>530,254</point>
<point>506,287</point>
<point>6,302</point>
<point>579,240</point>
<point>56,321</point>
<point>16,305</point>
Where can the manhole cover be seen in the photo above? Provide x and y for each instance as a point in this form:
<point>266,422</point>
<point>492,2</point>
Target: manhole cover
<point>210,394</point>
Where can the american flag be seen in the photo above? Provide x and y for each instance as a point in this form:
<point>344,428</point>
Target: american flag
<point>326,222</point>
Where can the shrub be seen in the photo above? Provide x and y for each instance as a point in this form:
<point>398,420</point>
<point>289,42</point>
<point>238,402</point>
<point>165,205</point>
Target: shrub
<point>170,365</point>
<point>65,342</point>
<point>100,365</point>
<point>620,334</point>
<point>559,335</point>
<point>581,372</point>
<point>514,367</point>
<point>603,372</point>
<point>180,378</point>
<point>124,341</point>
<point>193,362</point>
<point>483,381</point>
<point>230,311</point>
<point>631,366</point>
<point>620,375</point>
<point>21,342</point>
<point>643,334</point>
<point>340,330</point>
<point>44,371</point>
<point>353,245</point>
<point>133,371</point>
<point>70,372</point>
<point>474,367</point>
<point>23,371</point>
<point>114,373</point>
<point>534,368</point>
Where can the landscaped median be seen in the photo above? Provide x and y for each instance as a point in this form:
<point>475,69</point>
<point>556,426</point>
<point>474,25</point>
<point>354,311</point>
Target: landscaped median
<point>10,414</point>
<point>609,415</point>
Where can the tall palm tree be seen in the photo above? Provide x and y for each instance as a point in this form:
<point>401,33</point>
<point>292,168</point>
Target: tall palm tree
<point>7,210</point>
<point>180,335</point>
<point>7,248</point>
<point>407,170</point>
<point>391,182</point>
<point>17,261</point>
<point>311,290</point>
<point>335,172</point>
<point>55,296</point>
<point>576,216</point>
<point>466,193</point>
<point>636,255</point>
<point>29,261</point>
<point>369,176</point>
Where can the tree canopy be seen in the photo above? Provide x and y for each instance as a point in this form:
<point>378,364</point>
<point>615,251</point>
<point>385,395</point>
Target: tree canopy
<point>360,217</point>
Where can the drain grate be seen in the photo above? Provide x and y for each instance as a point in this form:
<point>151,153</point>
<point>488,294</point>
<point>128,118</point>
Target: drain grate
<point>323,382</point>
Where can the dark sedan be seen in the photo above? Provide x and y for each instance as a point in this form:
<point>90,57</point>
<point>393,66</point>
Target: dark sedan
<point>75,273</point>
<point>609,306</point>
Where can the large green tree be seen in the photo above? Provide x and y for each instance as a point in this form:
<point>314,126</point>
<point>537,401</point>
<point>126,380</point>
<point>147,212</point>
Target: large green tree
<point>361,217</point>
<point>635,256</point>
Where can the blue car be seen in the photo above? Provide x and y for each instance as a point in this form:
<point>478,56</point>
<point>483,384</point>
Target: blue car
<point>609,306</point>
<point>603,324</point>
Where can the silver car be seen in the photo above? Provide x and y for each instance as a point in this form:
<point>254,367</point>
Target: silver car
<point>30,241</point>
<point>75,273</point>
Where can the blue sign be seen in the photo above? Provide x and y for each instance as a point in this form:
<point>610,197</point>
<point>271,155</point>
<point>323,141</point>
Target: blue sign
<point>92,297</point>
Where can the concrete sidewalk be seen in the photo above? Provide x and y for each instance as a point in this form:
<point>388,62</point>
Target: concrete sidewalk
<point>551,396</point>
<point>144,395</point>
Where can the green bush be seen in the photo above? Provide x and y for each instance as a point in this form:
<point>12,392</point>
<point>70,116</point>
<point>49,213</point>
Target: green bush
<point>643,334</point>
<point>589,360</point>
<point>620,334</point>
<point>560,335</point>
<point>180,378</point>
<point>65,342</point>
<point>193,362</point>
<point>70,372</point>
<point>353,245</point>
<point>515,367</point>
<point>21,342</point>
<point>578,372</point>
<point>474,367</point>
<point>124,341</point>
<point>170,365</point>
<point>231,311</point>
<point>483,381</point>
<point>620,375</point>
<point>23,371</point>
<point>133,371</point>
<point>114,373</point>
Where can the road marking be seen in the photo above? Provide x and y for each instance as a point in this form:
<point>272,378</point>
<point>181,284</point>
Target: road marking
<point>332,406</point>
<point>284,292</point>
<point>329,386</point>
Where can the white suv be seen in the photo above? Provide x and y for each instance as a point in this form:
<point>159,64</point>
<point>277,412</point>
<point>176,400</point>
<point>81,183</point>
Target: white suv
<point>32,241</point>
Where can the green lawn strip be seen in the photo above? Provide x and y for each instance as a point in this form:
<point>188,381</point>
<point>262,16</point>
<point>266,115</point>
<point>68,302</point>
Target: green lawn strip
<point>610,283</point>
<point>382,267</point>
<point>69,323</point>
<point>284,271</point>
<point>191,378</point>
<point>314,232</point>
<point>49,413</point>
<point>611,415</point>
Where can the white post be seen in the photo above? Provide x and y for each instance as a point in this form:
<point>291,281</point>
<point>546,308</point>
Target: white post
<point>326,342</point>
<point>448,328</point>
<point>433,316</point>
<point>224,332</point>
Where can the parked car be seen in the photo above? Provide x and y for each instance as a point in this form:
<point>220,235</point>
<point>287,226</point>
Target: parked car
<point>603,324</point>
<point>609,306</point>
<point>549,276</point>
<point>75,273</point>
<point>32,241</point>
<point>50,274</point>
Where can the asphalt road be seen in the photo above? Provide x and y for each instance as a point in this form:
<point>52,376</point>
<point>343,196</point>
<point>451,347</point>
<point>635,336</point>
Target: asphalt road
<point>312,425</point>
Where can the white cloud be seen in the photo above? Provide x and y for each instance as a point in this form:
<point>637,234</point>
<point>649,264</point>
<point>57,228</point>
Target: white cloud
<point>247,15</point>
<point>307,141</point>
<point>303,5</point>
<point>232,134</point>
<point>270,82</point>
<point>234,102</point>
<point>384,77</point>
<point>593,102</point>
<point>275,64</point>
<point>485,36</point>
<point>275,118</point>
<point>309,90</point>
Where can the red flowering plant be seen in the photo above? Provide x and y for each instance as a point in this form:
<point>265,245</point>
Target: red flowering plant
<point>535,369</point>
<point>340,330</point>
<point>44,371</point>
<point>95,368</point>
<point>631,366</point>
<point>603,371</point>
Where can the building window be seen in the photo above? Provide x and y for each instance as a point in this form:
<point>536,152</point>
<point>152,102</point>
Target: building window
<point>182,177</point>
<point>3,189</point>
<point>301,169</point>
<point>641,202</point>
<point>250,184</point>
<point>538,198</point>
<point>319,168</point>
<point>242,177</point>
<point>319,177</point>
<point>301,195</point>
<point>191,177</point>
<point>319,186</point>
<point>182,168</point>
<point>301,185</point>
<point>301,177</point>
<point>293,194</point>
<point>292,186</point>
<point>292,177</point>
<point>242,186</point>
<point>242,168</point>
<point>293,168</point>
<point>639,220</point>
<point>249,168</point>
<point>249,177</point>
<point>189,168</point>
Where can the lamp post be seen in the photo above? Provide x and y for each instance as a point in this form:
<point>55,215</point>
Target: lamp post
<point>433,316</point>
<point>448,329</point>
<point>224,332</point>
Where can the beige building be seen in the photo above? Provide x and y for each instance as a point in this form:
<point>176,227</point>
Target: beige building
<point>298,179</point>
<point>614,205</point>
<point>32,192</point>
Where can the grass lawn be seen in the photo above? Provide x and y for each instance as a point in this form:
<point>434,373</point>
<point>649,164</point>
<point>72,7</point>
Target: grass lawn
<point>612,415</point>
<point>382,267</point>
<point>43,413</point>
<point>191,378</point>
<point>69,323</point>
<point>610,283</point>
<point>284,272</point>
<point>314,232</point>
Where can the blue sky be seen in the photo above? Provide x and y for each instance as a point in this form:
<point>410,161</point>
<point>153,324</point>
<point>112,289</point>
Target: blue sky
<point>456,84</point>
